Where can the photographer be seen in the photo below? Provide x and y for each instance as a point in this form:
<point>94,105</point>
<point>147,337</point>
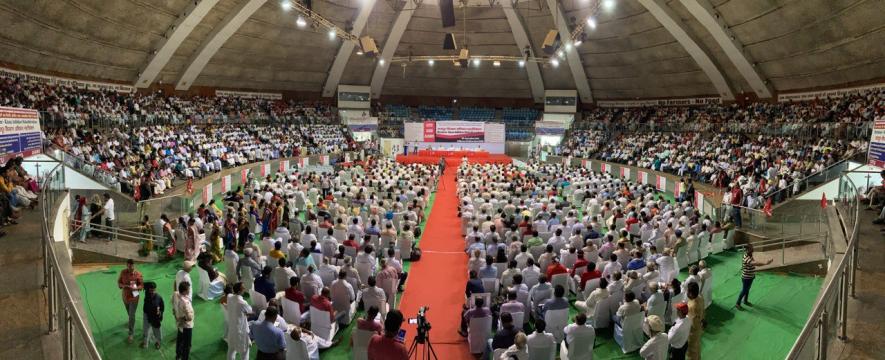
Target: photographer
<point>387,347</point>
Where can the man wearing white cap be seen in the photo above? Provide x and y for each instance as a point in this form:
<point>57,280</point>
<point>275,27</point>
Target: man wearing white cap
<point>656,347</point>
<point>184,275</point>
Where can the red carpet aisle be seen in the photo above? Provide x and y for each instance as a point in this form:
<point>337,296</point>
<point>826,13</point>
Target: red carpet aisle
<point>438,280</point>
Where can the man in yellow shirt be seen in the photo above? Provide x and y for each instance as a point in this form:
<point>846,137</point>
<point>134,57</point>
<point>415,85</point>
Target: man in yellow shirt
<point>696,314</point>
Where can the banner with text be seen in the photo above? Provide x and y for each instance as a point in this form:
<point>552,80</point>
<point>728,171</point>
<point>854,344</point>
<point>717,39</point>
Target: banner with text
<point>876,154</point>
<point>454,131</point>
<point>20,133</point>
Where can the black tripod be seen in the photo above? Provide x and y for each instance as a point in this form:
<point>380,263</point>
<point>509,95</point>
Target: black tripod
<point>426,352</point>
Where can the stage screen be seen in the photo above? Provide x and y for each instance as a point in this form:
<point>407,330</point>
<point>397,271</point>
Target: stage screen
<point>456,134</point>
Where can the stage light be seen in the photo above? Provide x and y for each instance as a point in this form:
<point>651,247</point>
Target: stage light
<point>286,5</point>
<point>608,5</point>
<point>591,22</point>
<point>496,63</point>
<point>554,62</point>
<point>332,34</point>
<point>301,22</point>
<point>430,62</point>
<point>521,63</point>
<point>476,62</point>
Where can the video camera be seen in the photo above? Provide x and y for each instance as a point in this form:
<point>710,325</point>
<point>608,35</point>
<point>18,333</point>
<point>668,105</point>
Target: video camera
<point>422,324</point>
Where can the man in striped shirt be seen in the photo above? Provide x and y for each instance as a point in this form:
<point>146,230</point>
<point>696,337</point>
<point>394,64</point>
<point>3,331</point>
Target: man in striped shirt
<point>748,274</point>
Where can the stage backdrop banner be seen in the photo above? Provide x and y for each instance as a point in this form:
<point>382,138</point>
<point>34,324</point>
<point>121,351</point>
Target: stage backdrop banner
<point>19,132</point>
<point>456,131</point>
<point>876,152</point>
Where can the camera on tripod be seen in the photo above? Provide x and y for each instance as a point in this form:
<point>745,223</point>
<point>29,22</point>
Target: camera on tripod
<point>422,336</point>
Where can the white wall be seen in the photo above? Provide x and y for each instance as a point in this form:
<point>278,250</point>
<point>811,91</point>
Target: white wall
<point>860,180</point>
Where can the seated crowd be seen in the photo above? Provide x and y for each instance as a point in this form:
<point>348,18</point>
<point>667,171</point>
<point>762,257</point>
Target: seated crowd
<point>17,190</point>
<point>147,160</point>
<point>307,249</point>
<point>75,106</point>
<point>538,234</point>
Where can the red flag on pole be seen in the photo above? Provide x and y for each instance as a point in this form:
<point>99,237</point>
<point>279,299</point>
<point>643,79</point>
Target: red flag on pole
<point>823,201</point>
<point>767,208</point>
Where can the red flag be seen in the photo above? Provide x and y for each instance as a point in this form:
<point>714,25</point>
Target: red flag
<point>190,186</point>
<point>823,201</point>
<point>762,186</point>
<point>767,208</point>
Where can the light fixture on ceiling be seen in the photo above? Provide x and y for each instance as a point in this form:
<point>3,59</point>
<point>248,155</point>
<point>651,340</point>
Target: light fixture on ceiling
<point>591,22</point>
<point>381,62</point>
<point>286,5</point>
<point>301,22</point>
<point>332,34</point>
<point>521,63</point>
<point>560,53</point>
<point>568,46</point>
<point>608,5</point>
<point>579,42</point>
<point>554,62</point>
<point>476,62</point>
<point>430,62</point>
<point>496,63</point>
<point>359,52</point>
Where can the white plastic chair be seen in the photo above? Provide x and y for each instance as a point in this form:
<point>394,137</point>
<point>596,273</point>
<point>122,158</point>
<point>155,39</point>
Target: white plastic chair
<point>360,343</point>
<point>602,313</point>
<point>259,301</point>
<point>682,257</point>
<point>671,312</point>
<point>291,311</point>
<point>478,334</point>
<point>718,244</point>
<point>296,350</point>
<point>491,286</point>
<point>556,322</point>
<point>582,349</point>
<point>541,353</point>
<point>321,325</point>
<point>707,292</point>
<point>628,334</point>
<point>203,291</point>
<point>560,279</point>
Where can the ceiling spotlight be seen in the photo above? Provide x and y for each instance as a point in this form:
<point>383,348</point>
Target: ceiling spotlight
<point>579,42</point>
<point>608,4</point>
<point>430,62</point>
<point>591,22</point>
<point>476,62</point>
<point>496,63</point>
<point>521,63</point>
<point>301,22</point>
<point>286,5</point>
<point>381,62</point>
<point>560,53</point>
<point>554,62</point>
<point>359,52</point>
<point>332,34</point>
<point>568,46</point>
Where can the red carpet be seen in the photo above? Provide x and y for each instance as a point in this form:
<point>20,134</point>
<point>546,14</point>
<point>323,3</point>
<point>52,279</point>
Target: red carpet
<point>453,161</point>
<point>438,280</point>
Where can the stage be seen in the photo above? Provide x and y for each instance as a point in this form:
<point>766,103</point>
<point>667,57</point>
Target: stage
<point>453,157</point>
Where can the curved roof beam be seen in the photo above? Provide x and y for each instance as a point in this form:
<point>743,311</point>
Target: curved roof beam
<point>173,38</point>
<point>215,40</point>
<point>573,58</point>
<point>396,34</point>
<point>668,18</point>
<point>345,50</point>
<point>703,11</point>
<point>523,42</point>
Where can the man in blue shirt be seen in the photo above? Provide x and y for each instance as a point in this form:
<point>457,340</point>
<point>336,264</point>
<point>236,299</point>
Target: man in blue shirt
<point>637,263</point>
<point>489,271</point>
<point>558,302</point>
<point>269,338</point>
<point>264,284</point>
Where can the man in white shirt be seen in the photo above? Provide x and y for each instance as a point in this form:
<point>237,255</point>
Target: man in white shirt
<point>579,334</point>
<point>343,297</point>
<point>656,347</point>
<point>678,334</point>
<point>281,274</point>
<point>588,306</point>
<point>184,275</point>
<point>629,307</point>
<point>612,267</point>
<point>541,339</point>
<point>109,215</point>
<point>374,296</point>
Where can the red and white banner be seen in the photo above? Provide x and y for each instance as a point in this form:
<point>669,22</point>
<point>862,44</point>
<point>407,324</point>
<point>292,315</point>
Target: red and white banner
<point>699,200</point>
<point>643,177</point>
<point>303,162</point>
<point>625,173</point>
<point>190,186</point>
<point>265,170</point>
<point>324,159</point>
<point>585,164</point>
<point>244,176</point>
<point>454,131</point>
<point>19,133</point>
<point>677,190</point>
<point>225,183</point>
<point>284,166</point>
<point>605,168</point>
<point>207,193</point>
<point>661,183</point>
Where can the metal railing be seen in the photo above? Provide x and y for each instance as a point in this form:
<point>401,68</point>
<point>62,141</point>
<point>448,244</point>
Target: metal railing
<point>828,319</point>
<point>843,130</point>
<point>830,173</point>
<point>64,317</point>
<point>80,164</point>
<point>786,242</point>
